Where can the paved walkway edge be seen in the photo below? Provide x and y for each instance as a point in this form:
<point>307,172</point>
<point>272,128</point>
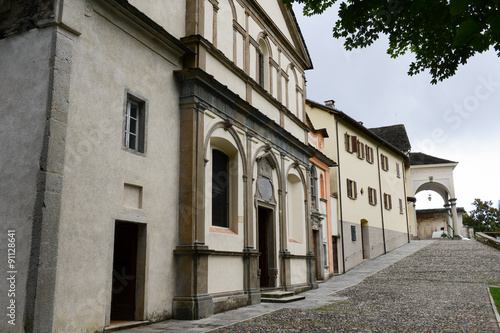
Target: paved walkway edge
<point>314,298</point>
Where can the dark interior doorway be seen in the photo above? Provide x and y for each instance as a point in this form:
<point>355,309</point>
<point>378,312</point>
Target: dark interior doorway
<point>266,248</point>
<point>335,255</point>
<point>123,298</point>
<point>317,252</point>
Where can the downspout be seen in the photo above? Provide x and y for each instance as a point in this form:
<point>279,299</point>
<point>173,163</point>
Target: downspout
<point>406,205</point>
<point>381,199</point>
<point>340,194</point>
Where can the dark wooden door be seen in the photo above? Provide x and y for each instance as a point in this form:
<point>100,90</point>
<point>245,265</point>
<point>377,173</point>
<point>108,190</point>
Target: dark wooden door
<point>124,272</point>
<point>263,216</point>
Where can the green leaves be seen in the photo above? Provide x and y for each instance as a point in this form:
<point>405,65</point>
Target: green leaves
<point>458,6</point>
<point>466,32</point>
<point>442,34</point>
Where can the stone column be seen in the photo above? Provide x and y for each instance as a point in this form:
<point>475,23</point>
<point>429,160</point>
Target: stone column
<point>454,217</point>
<point>191,255</point>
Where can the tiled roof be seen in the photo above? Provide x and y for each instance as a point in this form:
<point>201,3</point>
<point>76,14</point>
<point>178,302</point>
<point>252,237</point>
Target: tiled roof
<point>395,135</point>
<point>423,159</point>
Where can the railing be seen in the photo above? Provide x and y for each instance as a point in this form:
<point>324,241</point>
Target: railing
<point>489,238</point>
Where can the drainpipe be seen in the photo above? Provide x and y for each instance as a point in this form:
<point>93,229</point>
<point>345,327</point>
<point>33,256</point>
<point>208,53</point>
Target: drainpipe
<point>340,194</point>
<point>381,199</point>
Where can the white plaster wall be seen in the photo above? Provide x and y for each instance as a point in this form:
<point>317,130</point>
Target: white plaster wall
<point>170,15</point>
<point>298,269</point>
<point>225,274</point>
<point>272,9</point>
<point>24,87</point>
<point>264,106</point>
<point>224,28</point>
<point>97,167</point>
<point>394,185</point>
<point>294,129</point>
<point>364,174</point>
<point>209,22</point>
<point>225,76</point>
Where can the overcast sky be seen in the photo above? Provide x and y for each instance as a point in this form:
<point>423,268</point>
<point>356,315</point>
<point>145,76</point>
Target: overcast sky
<point>457,119</point>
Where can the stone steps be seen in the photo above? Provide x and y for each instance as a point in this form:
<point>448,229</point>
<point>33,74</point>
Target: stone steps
<point>280,297</point>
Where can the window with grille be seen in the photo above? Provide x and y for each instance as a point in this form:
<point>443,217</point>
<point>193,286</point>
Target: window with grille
<point>135,119</point>
<point>220,189</point>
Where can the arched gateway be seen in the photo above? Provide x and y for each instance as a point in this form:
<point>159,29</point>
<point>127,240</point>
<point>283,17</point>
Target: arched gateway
<point>435,174</point>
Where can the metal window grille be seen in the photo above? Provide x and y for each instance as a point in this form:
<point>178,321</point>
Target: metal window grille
<point>220,189</point>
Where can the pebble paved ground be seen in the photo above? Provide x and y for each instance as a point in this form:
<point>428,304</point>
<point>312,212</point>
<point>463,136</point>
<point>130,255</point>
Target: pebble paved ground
<point>441,288</point>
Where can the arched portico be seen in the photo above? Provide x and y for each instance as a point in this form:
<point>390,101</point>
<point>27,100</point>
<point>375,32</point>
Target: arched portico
<point>435,174</point>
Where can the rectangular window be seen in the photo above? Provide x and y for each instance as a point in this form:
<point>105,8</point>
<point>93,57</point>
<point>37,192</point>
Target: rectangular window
<point>384,160</point>
<point>347,139</point>
<point>135,119</point>
<point>400,206</point>
<point>261,68</point>
<point>361,150</point>
<point>220,189</point>
<point>372,196</point>
<point>353,233</point>
<point>398,171</point>
<point>387,201</point>
<point>352,190</point>
<point>369,154</point>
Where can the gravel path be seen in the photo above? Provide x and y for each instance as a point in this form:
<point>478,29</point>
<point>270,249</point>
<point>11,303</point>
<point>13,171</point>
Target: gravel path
<point>441,288</point>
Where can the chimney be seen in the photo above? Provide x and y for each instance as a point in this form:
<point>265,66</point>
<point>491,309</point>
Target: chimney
<point>330,103</point>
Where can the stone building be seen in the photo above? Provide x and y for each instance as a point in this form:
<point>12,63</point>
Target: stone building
<point>369,182</point>
<point>156,162</point>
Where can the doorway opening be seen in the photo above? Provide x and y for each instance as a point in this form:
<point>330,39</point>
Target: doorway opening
<point>266,248</point>
<point>335,255</point>
<point>317,253</point>
<point>365,239</point>
<point>127,289</point>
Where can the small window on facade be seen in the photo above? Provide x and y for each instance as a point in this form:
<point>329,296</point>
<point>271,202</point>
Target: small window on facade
<point>372,196</point>
<point>347,139</point>
<point>220,189</point>
<point>369,154</point>
<point>384,160</point>
<point>314,187</point>
<point>361,150</point>
<point>398,170</point>
<point>353,233</point>
<point>352,190</point>
<point>261,68</point>
<point>400,206</point>
<point>135,119</point>
<point>387,201</point>
<point>322,186</point>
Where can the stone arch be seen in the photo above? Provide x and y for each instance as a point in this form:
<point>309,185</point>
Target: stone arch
<point>227,125</point>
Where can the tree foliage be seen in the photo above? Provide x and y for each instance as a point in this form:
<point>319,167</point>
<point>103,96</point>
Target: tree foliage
<point>442,34</point>
<point>485,217</point>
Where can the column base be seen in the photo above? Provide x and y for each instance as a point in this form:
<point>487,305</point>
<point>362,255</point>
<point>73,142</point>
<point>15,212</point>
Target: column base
<point>193,307</point>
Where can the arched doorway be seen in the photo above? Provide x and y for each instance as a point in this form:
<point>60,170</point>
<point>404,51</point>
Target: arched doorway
<point>433,175</point>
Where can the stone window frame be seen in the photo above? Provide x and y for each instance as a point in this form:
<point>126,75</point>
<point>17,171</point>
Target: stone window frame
<point>139,146</point>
